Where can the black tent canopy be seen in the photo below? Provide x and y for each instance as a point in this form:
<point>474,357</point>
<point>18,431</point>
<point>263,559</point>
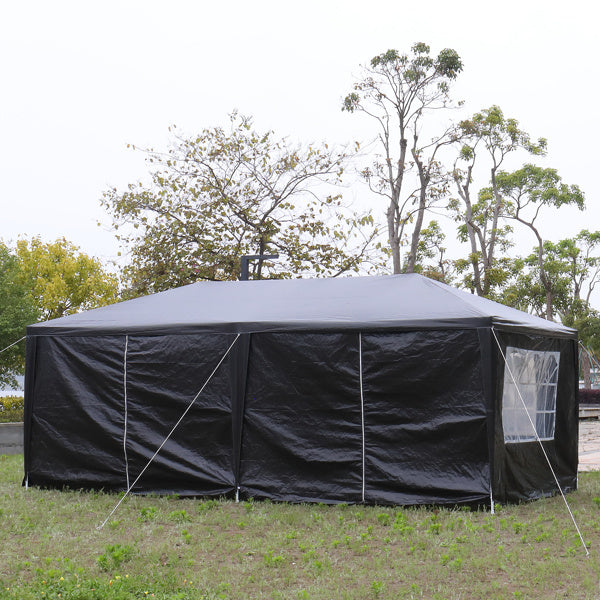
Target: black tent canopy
<point>394,389</point>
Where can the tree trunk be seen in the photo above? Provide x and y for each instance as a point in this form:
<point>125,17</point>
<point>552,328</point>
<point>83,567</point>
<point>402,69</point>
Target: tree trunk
<point>424,178</point>
<point>393,216</point>
<point>393,239</point>
<point>416,234</point>
<point>489,261</point>
<point>586,368</point>
<point>549,305</point>
<point>465,193</point>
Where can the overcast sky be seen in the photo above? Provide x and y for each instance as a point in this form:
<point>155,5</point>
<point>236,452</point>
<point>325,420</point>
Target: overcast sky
<point>82,79</point>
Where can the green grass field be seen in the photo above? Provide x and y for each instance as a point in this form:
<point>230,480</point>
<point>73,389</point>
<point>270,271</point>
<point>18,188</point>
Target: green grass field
<point>169,548</point>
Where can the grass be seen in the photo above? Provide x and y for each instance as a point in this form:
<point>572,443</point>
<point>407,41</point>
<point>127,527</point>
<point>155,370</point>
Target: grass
<point>169,548</point>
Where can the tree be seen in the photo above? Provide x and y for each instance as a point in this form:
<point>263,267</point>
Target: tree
<point>572,268</point>
<point>222,194</point>
<point>581,255</point>
<point>529,190</point>
<point>397,91</point>
<point>488,266</point>
<point>432,248</point>
<point>63,280</point>
<point>499,136</point>
<point>17,310</point>
<point>587,324</point>
<point>525,290</point>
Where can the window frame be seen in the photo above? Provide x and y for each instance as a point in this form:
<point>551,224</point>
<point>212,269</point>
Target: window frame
<point>536,385</point>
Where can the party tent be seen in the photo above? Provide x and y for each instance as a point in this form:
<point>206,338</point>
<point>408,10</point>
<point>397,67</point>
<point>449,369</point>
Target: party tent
<point>388,390</point>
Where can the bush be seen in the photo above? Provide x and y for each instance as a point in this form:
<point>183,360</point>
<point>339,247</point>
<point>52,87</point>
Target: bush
<point>11,409</point>
<point>588,396</point>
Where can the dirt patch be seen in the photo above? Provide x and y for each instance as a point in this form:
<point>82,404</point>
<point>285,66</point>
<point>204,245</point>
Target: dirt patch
<point>589,445</point>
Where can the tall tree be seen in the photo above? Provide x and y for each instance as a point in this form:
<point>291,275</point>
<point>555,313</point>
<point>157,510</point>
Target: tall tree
<point>431,254</point>
<point>530,190</point>
<point>582,255</point>
<point>222,194</point>
<point>488,267</point>
<point>17,310</point>
<point>62,279</point>
<point>498,136</point>
<point>572,270</point>
<point>397,91</point>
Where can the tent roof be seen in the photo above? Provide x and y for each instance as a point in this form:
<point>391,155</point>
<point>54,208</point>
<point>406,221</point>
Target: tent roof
<point>406,301</point>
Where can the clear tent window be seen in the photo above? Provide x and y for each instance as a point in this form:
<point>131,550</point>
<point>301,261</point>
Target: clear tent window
<point>529,397</point>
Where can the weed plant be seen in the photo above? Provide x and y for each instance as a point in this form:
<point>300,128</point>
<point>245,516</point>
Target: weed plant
<point>180,549</point>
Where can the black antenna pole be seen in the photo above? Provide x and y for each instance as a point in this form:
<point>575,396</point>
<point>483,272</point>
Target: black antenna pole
<point>244,267</point>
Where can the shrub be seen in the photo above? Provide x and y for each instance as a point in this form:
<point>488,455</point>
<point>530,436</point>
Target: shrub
<point>11,409</point>
<point>588,396</point>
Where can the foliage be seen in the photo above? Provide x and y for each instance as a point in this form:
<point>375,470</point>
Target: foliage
<point>114,556</point>
<point>587,323</point>
<point>11,409</point>
<point>222,194</point>
<point>396,91</point>
<point>432,248</point>
<point>572,270</point>
<point>589,396</point>
<point>527,192</point>
<point>17,310</point>
<point>289,551</point>
<point>486,269</point>
<point>583,264</point>
<point>63,279</point>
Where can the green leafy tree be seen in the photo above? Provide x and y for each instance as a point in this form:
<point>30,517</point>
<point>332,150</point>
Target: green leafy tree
<point>496,136</point>
<point>529,191</point>
<point>431,254</point>
<point>587,323</point>
<point>63,280</point>
<point>17,310</point>
<point>397,91</point>
<point>572,268</point>
<point>582,255</point>
<point>488,267</point>
<point>525,289</point>
<point>222,194</point>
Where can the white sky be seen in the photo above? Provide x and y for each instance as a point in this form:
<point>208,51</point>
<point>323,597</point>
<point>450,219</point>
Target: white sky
<point>81,80</point>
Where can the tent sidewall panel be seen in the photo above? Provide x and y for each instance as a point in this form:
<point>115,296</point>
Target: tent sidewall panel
<point>521,471</point>
<point>426,418</point>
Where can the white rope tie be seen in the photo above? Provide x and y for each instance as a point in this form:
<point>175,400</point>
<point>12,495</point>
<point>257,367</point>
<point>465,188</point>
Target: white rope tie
<point>170,434</point>
<point>125,401</point>
<point>13,344</point>
<point>537,437</point>
<point>362,412</point>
